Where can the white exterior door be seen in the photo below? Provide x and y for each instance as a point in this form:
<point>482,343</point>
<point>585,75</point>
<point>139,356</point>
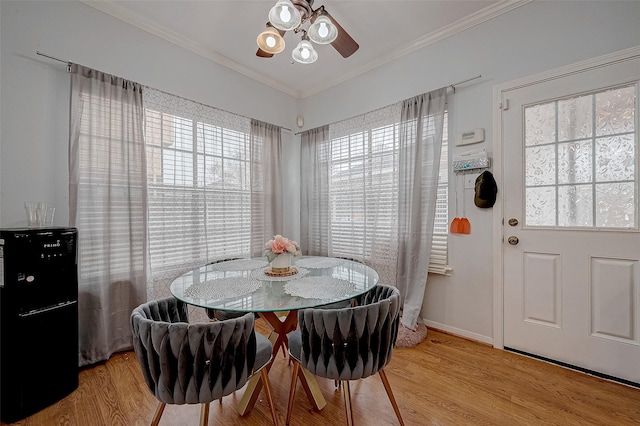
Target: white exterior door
<point>571,250</point>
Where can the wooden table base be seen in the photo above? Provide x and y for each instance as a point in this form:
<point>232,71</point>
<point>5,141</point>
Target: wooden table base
<point>279,340</point>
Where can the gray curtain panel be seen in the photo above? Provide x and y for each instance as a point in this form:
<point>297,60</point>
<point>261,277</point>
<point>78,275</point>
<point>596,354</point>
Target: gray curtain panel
<point>421,131</point>
<point>315,153</point>
<point>199,187</point>
<point>383,191</point>
<point>266,184</point>
<point>108,205</point>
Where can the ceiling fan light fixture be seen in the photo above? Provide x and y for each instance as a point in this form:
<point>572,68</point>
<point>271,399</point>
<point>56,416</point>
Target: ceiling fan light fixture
<point>284,15</point>
<point>296,15</point>
<point>322,31</point>
<point>304,53</point>
<point>270,40</point>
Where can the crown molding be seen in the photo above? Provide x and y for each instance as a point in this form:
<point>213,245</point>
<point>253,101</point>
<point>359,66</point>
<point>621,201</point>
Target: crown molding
<point>575,68</point>
<point>111,8</point>
<point>457,27</point>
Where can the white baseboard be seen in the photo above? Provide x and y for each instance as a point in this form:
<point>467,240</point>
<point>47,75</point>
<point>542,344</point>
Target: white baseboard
<point>459,332</point>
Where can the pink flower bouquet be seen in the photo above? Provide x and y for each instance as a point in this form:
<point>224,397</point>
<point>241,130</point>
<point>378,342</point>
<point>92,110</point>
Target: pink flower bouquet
<point>280,245</point>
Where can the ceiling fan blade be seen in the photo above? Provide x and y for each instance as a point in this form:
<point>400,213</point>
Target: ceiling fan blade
<point>261,53</point>
<point>344,44</point>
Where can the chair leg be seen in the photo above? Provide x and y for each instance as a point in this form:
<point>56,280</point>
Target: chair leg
<point>292,390</point>
<point>204,414</point>
<point>267,390</point>
<point>347,402</point>
<point>158,413</point>
<point>387,387</point>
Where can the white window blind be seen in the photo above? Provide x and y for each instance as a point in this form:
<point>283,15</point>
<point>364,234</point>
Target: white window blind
<point>438,262</point>
<point>363,193</point>
<point>199,183</point>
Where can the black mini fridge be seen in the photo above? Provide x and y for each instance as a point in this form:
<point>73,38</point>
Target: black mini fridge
<point>38,319</point>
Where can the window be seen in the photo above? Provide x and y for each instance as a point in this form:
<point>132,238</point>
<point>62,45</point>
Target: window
<point>199,191</point>
<point>580,161</point>
<point>363,197</point>
<point>438,259</point>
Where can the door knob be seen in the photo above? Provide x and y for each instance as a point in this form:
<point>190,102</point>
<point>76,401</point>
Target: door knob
<point>513,240</point>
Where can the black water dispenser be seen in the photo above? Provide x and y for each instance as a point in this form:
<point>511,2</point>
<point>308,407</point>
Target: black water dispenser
<point>38,319</point>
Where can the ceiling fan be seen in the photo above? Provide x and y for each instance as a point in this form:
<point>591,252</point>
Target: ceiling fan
<point>291,15</point>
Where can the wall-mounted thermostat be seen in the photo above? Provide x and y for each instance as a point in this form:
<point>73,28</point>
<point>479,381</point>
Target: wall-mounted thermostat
<point>469,137</point>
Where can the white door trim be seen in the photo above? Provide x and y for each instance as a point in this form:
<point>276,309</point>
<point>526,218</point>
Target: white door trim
<point>498,209</point>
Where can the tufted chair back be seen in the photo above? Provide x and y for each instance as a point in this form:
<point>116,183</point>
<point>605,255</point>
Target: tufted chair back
<point>348,343</point>
<point>186,363</point>
<point>351,343</point>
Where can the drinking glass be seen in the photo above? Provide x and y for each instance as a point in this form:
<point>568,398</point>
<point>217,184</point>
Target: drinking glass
<point>48,217</point>
<point>36,212</point>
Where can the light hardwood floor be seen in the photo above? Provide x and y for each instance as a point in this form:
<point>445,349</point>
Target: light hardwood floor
<point>446,380</point>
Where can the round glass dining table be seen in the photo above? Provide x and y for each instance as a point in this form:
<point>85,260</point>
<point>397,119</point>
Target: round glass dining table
<point>245,285</point>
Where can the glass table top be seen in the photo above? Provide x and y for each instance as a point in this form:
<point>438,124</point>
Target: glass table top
<point>243,284</point>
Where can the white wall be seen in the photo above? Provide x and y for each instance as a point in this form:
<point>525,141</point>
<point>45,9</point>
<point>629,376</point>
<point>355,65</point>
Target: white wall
<point>35,92</point>
<point>533,38</point>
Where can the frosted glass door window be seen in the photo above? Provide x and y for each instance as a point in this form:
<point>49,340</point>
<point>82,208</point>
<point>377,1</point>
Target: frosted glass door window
<point>581,161</point>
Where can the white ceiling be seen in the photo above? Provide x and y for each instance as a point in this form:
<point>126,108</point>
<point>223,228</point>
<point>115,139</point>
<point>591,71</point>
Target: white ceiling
<point>226,31</point>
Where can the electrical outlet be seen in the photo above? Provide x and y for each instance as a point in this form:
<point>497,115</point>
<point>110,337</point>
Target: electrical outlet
<point>470,181</point>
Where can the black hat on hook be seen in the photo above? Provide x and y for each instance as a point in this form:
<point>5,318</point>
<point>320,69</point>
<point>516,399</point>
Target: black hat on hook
<point>486,190</point>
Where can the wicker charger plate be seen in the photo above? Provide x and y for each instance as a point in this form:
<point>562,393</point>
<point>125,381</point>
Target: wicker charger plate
<point>270,272</point>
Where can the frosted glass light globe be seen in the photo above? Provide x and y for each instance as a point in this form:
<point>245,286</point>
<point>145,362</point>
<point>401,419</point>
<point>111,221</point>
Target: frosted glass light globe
<point>304,53</point>
<point>284,15</point>
<point>322,31</point>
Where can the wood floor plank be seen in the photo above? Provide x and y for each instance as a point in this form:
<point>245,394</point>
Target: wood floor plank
<point>444,381</point>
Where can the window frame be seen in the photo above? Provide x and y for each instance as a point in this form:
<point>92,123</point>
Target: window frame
<point>193,194</point>
<point>438,263</point>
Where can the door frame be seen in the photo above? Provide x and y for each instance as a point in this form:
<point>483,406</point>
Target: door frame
<point>499,91</point>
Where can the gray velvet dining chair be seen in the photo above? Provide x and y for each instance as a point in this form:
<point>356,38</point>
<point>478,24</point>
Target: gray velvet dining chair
<point>185,363</point>
<point>346,344</point>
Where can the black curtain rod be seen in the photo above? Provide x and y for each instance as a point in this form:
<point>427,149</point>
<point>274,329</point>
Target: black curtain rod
<point>452,86</point>
<point>69,63</point>
<point>56,59</point>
